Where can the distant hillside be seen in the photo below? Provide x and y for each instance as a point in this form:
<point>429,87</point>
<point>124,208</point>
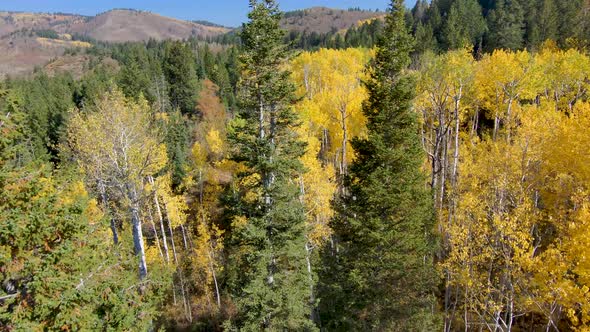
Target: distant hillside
<point>129,25</point>
<point>324,20</point>
<point>28,40</point>
<point>14,21</point>
<point>78,65</point>
<point>117,25</point>
<point>23,51</point>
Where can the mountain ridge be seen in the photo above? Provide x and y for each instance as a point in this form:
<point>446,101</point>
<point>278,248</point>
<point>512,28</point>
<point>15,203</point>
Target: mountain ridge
<point>31,39</point>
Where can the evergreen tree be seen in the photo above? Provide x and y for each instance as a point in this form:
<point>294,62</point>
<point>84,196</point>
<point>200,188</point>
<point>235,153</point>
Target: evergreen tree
<point>568,13</point>
<point>425,40</point>
<point>506,26</point>
<point>177,138</point>
<point>383,264</point>
<point>435,20</point>
<point>465,24</point>
<point>180,71</point>
<point>542,22</point>
<point>419,11</point>
<point>134,77</point>
<point>582,26</point>
<point>267,270</point>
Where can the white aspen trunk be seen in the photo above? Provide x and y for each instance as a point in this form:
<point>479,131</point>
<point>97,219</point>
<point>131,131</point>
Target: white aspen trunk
<point>185,302</point>
<point>174,301</point>
<point>456,155</point>
<point>138,244</point>
<point>343,162</point>
<point>161,219</point>
<point>171,237</point>
<point>475,123</point>
<point>308,90</point>
<point>155,232</point>
<point>217,294</point>
<point>508,123</point>
<point>496,127</point>
<point>325,143</point>
<point>444,170</point>
<point>184,237</point>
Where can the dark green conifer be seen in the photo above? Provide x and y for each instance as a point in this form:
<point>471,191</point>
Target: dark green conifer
<point>506,26</point>
<point>385,278</point>
<point>465,24</point>
<point>268,274</point>
<point>180,71</point>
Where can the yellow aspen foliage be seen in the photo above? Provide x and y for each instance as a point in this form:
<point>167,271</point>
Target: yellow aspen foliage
<point>445,85</point>
<point>568,198</point>
<point>174,205</point>
<point>318,186</point>
<point>330,82</point>
<point>206,263</point>
<point>563,76</point>
<point>502,79</point>
<point>518,238</point>
<point>214,141</point>
<point>490,235</point>
<point>117,145</point>
<point>116,140</point>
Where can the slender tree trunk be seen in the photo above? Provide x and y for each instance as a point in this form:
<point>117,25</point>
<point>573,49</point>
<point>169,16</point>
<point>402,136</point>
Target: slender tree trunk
<point>138,244</point>
<point>161,219</point>
<point>508,121</point>
<point>496,126</point>
<point>313,314</point>
<point>456,154</point>
<point>343,162</point>
<point>217,294</point>
<point>151,216</point>
<point>171,237</point>
<point>475,124</point>
<point>184,236</point>
<point>105,204</point>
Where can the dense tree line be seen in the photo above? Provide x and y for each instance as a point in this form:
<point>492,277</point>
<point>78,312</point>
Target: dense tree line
<point>502,24</point>
<point>442,25</point>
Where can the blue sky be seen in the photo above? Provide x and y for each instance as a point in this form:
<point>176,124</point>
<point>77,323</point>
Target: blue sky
<point>226,12</point>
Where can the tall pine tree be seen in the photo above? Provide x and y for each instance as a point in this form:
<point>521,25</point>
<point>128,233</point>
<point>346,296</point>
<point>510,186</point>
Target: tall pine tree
<point>465,24</point>
<point>267,269</point>
<point>384,259</point>
<point>506,26</point>
<point>179,68</point>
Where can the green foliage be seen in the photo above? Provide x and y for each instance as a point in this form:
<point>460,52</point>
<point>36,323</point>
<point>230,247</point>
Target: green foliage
<point>57,268</point>
<point>362,35</point>
<point>382,270</point>
<point>46,33</point>
<point>46,101</point>
<point>267,263</point>
<point>179,69</point>
<point>506,26</point>
<point>134,78</point>
<point>177,138</point>
<point>465,24</point>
